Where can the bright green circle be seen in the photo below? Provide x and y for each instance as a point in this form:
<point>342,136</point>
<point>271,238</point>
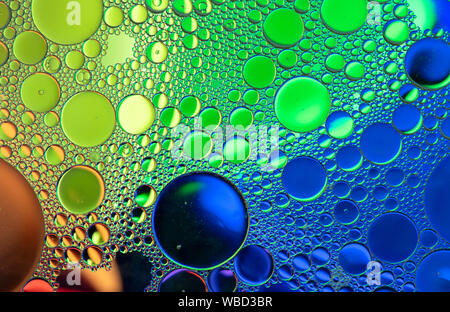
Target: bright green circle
<point>335,62</point>
<point>157,6</point>
<point>237,150</point>
<point>259,72</point>
<point>5,15</point>
<point>136,114</point>
<point>29,47</point>
<point>88,119</point>
<point>40,92</point>
<point>74,59</point>
<point>287,58</point>
<point>210,118</point>
<point>91,48</point>
<point>67,21</point>
<point>197,145</point>
<point>241,118</point>
<point>302,104</point>
<point>4,53</point>
<point>170,117</point>
<point>190,106</point>
<point>396,32</point>
<point>344,17</point>
<point>80,189</point>
<point>283,28</point>
<point>354,70</point>
<point>113,16</point>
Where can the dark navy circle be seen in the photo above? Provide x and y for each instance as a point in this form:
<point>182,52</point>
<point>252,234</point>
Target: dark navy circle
<point>392,237</point>
<point>346,212</point>
<point>349,158</point>
<point>222,280</point>
<point>254,265</point>
<point>182,281</point>
<point>200,220</point>
<point>407,119</point>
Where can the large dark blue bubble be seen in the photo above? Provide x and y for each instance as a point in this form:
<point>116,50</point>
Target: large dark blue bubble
<point>407,119</point>
<point>380,143</point>
<point>222,280</point>
<point>354,258</point>
<point>392,237</point>
<point>254,265</point>
<point>427,63</point>
<point>182,281</point>
<point>437,198</point>
<point>304,178</point>
<point>445,128</point>
<point>346,212</point>
<point>433,273</point>
<point>200,220</point>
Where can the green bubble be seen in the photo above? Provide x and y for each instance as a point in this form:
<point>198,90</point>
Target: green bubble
<point>54,155</point>
<point>5,15</point>
<point>197,145</point>
<point>287,58</point>
<point>157,52</point>
<point>335,62</point>
<point>210,118</point>
<point>157,6</point>
<point>67,21</point>
<point>88,119</point>
<point>136,114</point>
<point>91,48</point>
<point>145,196</point>
<point>354,71</point>
<point>40,92</point>
<point>190,106</point>
<point>29,47</point>
<point>396,32</point>
<point>241,118</point>
<point>139,14</point>
<point>113,16</point>
<point>259,72</point>
<point>170,117</point>
<point>74,59</point>
<point>341,127</point>
<point>4,53</point>
<point>302,6</point>
<point>237,150</point>
<point>80,189</point>
<point>283,28</point>
<point>302,104</point>
<point>251,97</point>
<point>182,7</point>
<point>52,64</point>
<point>344,17</point>
<point>51,119</point>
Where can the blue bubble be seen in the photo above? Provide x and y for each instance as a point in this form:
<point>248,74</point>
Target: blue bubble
<point>392,237</point>
<point>200,220</point>
<point>391,204</point>
<point>304,178</point>
<point>323,275</point>
<point>346,212</point>
<point>433,273</point>
<point>354,258</point>
<point>427,63</point>
<point>413,181</point>
<point>407,119</point>
<point>182,281</point>
<point>428,238</point>
<point>445,128</point>
<point>380,143</point>
<point>395,176</point>
<point>414,152</point>
<point>349,158</point>
<point>221,280</point>
<point>437,198</point>
<point>430,123</point>
<point>320,256</point>
<point>341,189</point>
<point>301,263</point>
<point>359,194</point>
<point>380,192</point>
<point>254,265</point>
<point>285,272</point>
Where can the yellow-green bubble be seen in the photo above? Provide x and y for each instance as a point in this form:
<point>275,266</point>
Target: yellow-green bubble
<point>40,92</point>
<point>135,114</point>
<point>29,47</point>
